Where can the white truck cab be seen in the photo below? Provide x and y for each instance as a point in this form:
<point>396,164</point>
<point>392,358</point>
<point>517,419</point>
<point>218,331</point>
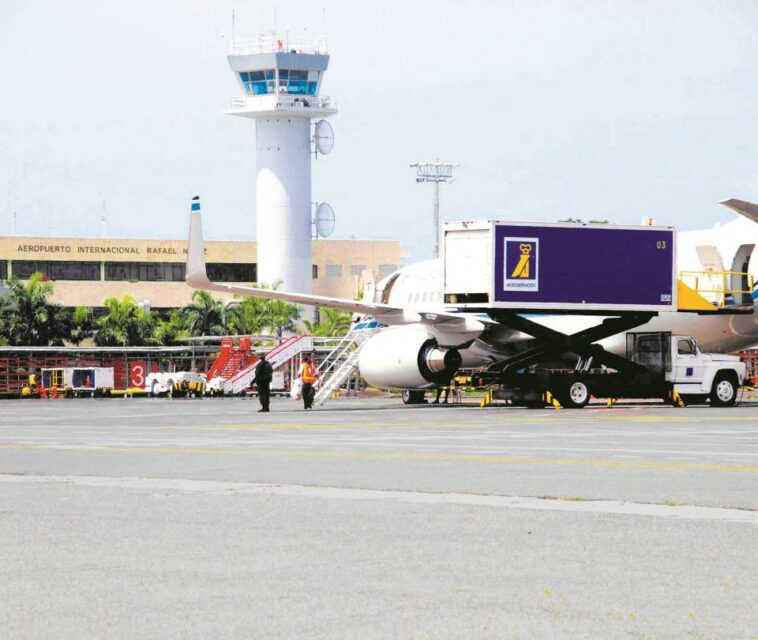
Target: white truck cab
<point>696,376</point>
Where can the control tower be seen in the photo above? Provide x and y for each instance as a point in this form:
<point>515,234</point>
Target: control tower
<point>280,82</point>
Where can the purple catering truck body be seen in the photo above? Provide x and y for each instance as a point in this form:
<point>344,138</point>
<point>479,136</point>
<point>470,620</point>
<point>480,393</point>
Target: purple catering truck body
<point>568,267</point>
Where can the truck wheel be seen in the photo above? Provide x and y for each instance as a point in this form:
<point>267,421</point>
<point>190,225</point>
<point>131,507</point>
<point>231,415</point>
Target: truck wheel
<point>412,396</point>
<point>724,391</point>
<point>576,395</point>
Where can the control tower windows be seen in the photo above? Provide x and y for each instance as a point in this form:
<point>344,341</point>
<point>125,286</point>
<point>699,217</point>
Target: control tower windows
<point>291,81</point>
<point>297,82</point>
<point>258,83</point>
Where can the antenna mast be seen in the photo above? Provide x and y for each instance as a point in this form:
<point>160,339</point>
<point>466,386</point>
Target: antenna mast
<point>234,31</point>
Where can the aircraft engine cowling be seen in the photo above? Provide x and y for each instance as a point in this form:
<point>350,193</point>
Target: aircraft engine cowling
<point>407,359</point>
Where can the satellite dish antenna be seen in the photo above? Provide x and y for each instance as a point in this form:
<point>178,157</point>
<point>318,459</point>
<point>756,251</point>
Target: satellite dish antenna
<point>324,137</point>
<point>324,220</point>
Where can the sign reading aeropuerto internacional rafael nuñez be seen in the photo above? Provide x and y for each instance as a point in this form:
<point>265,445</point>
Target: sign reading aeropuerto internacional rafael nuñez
<point>568,267</point>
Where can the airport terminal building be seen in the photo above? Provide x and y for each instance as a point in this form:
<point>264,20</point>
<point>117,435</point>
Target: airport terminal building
<point>87,271</point>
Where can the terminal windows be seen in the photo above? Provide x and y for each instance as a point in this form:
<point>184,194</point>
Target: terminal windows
<point>386,269</point>
<point>175,271</point>
<point>314,271</point>
<point>333,270</point>
<point>357,269</point>
<point>3,269</point>
<point>232,272</point>
<point>145,271</point>
<point>57,269</point>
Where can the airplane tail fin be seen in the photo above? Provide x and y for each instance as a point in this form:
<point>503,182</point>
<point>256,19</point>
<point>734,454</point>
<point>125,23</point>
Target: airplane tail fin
<point>747,209</point>
<point>196,273</point>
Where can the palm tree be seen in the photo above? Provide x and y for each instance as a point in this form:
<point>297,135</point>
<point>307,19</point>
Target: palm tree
<point>170,331</point>
<point>282,316</point>
<point>125,324</point>
<point>82,325</point>
<point>331,322</point>
<point>204,316</point>
<point>250,316</point>
<point>335,322</point>
<point>30,318</point>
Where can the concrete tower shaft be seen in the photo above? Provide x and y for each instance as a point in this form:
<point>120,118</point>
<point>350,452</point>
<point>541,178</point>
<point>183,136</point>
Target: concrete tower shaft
<point>283,202</point>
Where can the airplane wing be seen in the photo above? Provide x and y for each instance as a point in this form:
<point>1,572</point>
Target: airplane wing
<point>197,277</point>
<point>747,209</point>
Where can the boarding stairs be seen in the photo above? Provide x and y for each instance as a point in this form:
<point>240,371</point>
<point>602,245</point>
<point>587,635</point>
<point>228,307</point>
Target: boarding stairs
<point>278,356</point>
<point>340,363</point>
<point>231,359</point>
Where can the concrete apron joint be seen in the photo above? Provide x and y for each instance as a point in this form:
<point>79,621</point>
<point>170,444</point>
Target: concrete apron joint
<point>218,487</point>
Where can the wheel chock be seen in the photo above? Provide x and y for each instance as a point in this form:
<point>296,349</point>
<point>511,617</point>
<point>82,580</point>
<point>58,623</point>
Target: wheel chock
<point>676,399</point>
<point>551,400</point>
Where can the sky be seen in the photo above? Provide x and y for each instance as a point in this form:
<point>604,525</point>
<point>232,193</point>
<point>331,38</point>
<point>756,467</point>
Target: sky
<point>552,110</point>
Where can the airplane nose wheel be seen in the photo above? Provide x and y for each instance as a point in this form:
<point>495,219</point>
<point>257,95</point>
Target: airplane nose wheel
<point>412,396</point>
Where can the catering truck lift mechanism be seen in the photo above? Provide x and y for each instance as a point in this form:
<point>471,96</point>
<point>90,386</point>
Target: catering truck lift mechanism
<point>518,274</point>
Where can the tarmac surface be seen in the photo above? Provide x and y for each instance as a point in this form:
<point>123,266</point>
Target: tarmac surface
<point>366,518</point>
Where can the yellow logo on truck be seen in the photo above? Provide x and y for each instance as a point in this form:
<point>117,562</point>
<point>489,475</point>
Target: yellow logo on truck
<point>522,268</point>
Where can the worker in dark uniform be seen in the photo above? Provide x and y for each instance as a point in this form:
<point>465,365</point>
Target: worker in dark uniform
<point>440,389</point>
<point>444,386</point>
<point>264,373</point>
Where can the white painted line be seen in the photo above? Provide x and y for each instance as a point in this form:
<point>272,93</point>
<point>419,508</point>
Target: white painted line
<point>593,507</point>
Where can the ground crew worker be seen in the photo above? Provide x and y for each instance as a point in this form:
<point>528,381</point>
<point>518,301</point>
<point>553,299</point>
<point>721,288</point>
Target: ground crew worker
<point>308,378</point>
<point>264,373</point>
<point>440,389</point>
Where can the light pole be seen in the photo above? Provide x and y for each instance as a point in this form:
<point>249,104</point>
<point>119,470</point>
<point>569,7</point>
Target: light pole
<point>435,172</point>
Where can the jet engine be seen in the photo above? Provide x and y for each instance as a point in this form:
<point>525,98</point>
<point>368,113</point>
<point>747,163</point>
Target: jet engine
<point>407,359</point>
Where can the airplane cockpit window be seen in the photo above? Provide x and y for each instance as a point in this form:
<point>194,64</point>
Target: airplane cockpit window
<point>388,288</point>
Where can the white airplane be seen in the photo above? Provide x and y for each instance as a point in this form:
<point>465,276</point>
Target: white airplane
<point>423,341</point>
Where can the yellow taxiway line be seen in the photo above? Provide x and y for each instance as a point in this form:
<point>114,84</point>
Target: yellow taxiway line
<point>380,455</point>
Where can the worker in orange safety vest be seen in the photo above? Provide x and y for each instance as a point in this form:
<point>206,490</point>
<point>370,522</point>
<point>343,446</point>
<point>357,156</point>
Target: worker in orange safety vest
<point>308,377</point>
